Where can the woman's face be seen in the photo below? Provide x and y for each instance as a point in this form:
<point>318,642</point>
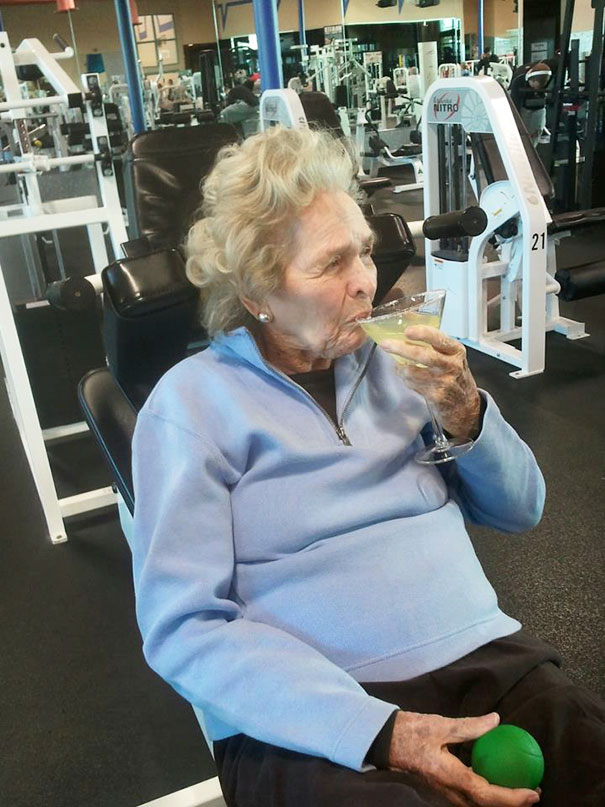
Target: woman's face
<point>328,285</point>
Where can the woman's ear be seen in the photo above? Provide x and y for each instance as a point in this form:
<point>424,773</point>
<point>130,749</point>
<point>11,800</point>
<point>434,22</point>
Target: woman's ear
<point>251,306</point>
<point>260,311</point>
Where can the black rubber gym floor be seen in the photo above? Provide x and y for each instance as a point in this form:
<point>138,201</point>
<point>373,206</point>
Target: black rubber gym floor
<point>85,722</point>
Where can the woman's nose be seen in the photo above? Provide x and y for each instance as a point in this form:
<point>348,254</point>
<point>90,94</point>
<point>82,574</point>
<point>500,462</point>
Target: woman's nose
<point>362,282</point>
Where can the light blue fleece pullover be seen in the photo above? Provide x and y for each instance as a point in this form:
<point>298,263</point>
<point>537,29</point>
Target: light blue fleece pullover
<point>275,566</point>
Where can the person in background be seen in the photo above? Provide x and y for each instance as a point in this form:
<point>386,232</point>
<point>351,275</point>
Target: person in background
<point>487,57</point>
<point>241,105</point>
<point>527,90</point>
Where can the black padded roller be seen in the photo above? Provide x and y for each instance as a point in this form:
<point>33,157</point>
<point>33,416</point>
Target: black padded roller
<point>581,281</point>
<point>73,294</point>
<point>471,221</point>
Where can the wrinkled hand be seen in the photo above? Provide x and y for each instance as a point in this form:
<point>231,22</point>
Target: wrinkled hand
<point>445,380</point>
<point>420,746</point>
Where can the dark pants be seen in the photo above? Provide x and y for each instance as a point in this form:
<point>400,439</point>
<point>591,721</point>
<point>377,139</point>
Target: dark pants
<point>518,677</point>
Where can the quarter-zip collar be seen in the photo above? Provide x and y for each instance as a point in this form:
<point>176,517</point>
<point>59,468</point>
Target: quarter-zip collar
<point>349,370</point>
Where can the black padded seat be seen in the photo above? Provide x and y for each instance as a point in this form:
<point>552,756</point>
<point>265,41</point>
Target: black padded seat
<point>163,170</point>
<point>575,218</point>
<point>408,150</point>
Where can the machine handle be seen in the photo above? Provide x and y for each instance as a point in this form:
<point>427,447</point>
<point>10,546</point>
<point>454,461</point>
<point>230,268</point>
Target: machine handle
<point>471,221</point>
<point>58,39</point>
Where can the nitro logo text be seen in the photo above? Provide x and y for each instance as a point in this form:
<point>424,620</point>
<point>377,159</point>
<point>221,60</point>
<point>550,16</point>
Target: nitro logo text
<point>444,106</point>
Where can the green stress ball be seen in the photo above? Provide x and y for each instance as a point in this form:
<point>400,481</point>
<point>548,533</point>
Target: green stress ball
<point>508,756</point>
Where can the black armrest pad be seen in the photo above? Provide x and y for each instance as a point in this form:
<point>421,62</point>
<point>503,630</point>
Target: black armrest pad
<point>111,419</point>
<point>138,286</point>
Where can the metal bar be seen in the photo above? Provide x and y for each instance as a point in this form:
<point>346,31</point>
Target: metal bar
<point>480,27</point>
<point>594,72</point>
<point>60,432</point>
<point>73,41</point>
<point>571,176</point>
<point>26,417</point>
<point>59,254</point>
<point>97,247</point>
<point>555,104</point>
<point>129,53</point>
<point>84,502</point>
<point>37,279</point>
<point>51,100</point>
<point>269,52</point>
<point>53,221</point>
<point>220,89</point>
<point>302,35</point>
<point>108,188</point>
<point>43,163</point>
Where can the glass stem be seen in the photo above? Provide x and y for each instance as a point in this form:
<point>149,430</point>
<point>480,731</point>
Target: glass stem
<point>441,440</point>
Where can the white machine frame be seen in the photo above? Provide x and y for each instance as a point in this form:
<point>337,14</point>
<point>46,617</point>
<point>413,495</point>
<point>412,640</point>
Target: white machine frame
<point>281,107</point>
<point>38,216</point>
<point>204,794</point>
<point>525,265</point>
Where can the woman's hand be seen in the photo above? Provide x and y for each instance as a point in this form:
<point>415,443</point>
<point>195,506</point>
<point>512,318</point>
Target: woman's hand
<point>420,746</point>
<point>445,380</point>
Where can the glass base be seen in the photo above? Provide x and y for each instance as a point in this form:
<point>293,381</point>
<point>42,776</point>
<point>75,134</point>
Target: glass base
<point>436,454</point>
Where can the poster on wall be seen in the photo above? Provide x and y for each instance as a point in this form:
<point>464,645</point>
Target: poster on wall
<point>538,51</point>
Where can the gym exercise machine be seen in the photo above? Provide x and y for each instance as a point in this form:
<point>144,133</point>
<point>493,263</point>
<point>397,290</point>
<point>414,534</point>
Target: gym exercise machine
<point>34,215</point>
<point>514,251</point>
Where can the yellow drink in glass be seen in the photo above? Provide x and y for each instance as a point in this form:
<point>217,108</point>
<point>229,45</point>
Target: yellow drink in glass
<point>390,321</point>
<point>393,326</point>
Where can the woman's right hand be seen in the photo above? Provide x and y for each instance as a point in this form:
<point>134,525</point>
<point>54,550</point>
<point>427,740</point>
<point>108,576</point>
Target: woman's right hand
<point>419,745</point>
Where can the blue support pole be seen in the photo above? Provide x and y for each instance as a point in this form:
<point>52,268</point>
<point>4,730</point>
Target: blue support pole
<point>129,53</point>
<point>301,23</point>
<point>269,51</point>
<point>480,27</point>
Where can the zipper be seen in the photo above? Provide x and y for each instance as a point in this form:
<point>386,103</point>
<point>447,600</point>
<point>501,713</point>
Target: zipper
<point>342,435</point>
<point>338,427</point>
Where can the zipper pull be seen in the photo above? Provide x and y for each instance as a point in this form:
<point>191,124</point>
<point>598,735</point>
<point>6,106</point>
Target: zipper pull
<point>342,435</point>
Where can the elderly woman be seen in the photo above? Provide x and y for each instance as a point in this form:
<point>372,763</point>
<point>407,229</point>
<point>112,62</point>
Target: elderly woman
<point>299,577</point>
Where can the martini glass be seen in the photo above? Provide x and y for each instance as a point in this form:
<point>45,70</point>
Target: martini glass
<point>390,321</point>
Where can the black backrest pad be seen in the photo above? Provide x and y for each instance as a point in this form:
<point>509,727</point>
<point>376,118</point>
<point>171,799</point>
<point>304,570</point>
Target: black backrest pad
<point>163,170</point>
<point>492,162</point>
<point>393,251</point>
<point>320,112</point>
<point>148,316</point>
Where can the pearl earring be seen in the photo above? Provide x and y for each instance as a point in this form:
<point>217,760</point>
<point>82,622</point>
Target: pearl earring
<point>264,317</point>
